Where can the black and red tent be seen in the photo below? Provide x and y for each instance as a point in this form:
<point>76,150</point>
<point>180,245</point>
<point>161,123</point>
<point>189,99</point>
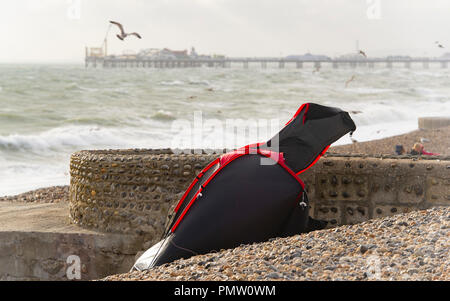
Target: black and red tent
<point>252,194</point>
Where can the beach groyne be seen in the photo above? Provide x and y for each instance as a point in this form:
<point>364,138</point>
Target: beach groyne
<point>132,191</point>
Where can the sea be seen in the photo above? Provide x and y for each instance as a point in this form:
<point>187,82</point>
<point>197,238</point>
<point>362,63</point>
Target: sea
<point>47,112</point>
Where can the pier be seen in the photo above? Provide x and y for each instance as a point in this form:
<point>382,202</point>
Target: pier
<point>142,62</point>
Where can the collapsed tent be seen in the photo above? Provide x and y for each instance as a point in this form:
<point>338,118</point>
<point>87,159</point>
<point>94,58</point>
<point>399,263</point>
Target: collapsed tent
<point>252,194</point>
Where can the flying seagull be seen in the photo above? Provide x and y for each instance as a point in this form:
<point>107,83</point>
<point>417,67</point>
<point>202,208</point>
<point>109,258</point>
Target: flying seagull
<point>123,34</point>
<point>439,44</point>
<point>350,80</point>
<point>363,53</point>
<point>353,139</point>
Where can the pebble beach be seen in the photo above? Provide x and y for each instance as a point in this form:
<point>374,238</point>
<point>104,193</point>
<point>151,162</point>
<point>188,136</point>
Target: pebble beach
<point>412,246</point>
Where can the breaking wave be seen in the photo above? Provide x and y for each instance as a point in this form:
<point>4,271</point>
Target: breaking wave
<point>61,139</point>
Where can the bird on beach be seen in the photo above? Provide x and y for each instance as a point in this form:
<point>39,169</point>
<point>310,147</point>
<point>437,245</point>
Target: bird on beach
<point>350,80</point>
<point>363,53</point>
<point>123,34</point>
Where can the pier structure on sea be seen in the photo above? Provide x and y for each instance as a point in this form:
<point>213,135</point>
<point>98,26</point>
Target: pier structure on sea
<point>144,62</point>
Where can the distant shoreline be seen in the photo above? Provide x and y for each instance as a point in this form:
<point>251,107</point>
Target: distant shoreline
<point>439,142</point>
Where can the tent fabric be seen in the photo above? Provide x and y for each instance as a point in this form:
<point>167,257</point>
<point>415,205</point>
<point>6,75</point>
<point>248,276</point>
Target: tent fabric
<point>238,200</point>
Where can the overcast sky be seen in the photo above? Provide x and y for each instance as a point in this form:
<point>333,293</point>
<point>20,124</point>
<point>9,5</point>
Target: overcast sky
<point>58,30</point>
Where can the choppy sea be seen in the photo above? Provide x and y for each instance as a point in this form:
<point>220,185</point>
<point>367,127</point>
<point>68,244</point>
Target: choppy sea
<point>49,111</point>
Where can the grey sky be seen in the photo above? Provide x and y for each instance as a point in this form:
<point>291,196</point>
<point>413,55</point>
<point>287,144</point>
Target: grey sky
<point>49,31</point>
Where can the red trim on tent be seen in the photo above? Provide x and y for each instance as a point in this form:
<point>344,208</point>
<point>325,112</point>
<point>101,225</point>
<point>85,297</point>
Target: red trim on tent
<point>204,185</point>
<point>195,181</point>
<point>306,111</point>
<point>315,161</point>
<point>228,158</point>
<point>292,174</point>
<point>249,149</point>
<point>298,113</point>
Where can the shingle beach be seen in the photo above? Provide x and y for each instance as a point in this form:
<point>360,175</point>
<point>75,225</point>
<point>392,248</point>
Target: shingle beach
<point>412,246</point>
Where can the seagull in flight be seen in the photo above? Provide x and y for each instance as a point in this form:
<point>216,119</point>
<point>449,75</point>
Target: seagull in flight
<point>123,34</point>
<point>363,53</point>
<point>439,44</point>
<point>350,80</point>
<point>353,139</point>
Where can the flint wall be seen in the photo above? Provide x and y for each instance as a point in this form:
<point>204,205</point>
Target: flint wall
<point>131,191</point>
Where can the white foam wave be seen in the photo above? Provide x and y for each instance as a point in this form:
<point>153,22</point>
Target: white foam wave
<point>393,111</point>
<point>17,178</point>
<point>199,82</point>
<point>172,83</point>
<point>64,138</point>
<point>163,115</point>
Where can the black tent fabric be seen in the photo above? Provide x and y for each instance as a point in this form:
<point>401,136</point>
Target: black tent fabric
<point>309,134</point>
<point>238,200</point>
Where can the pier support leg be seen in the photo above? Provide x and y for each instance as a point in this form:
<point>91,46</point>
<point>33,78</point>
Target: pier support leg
<point>299,65</point>
<point>335,65</point>
<point>444,65</point>
<point>408,65</point>
<point>371,65</point>
<point>264,65</point>
<point>317,65</point>
<point>426,65</point>
<point>389,65</point>
<point>245,65</point>
<point>281,65</point>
